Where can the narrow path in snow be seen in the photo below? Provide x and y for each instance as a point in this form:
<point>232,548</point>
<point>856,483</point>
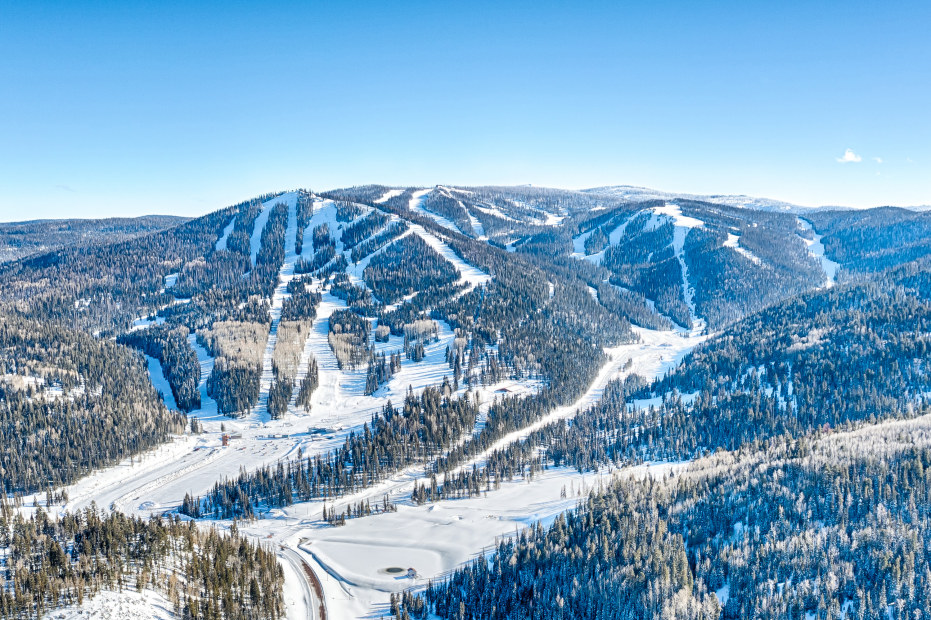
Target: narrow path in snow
<point>656,353</point>
<point>157,375</point>
<point>391,193</point>
<point>221,242</point>
<point>614,238</point>
<point>816,249</point>
<point>682,226</point>
<point>477,228</point>
<point>733,242</point>
<point>208,406</point>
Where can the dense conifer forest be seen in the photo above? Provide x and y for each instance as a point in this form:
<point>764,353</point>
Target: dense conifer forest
<point>776,505</point>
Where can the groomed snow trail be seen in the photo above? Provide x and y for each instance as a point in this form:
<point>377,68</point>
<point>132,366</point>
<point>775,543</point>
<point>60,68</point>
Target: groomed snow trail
<point>259,412</point>
<point>733,242</point>
<point>682,226</point>
<point>160,382</point>
<point>416,205</point>
<point>816,249</point>
<point>656,353</point>
<point>221,242</point>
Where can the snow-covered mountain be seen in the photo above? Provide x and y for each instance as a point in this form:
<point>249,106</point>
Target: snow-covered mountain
<point>633,192</point>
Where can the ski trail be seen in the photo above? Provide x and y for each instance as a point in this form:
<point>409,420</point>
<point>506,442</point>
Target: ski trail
<point>416,205</point>
<point>160,382</point>
<point>260,411</point>
<point>477,226</point>
<point>221,242</point>
<point>816,249</point>
<point>655,354</point>
<point>469,274</point>
<point>682,226</point>
<point>391,193</point>
<point>208,406</point>
<point>578,243</point>
<point>733,242</point>
<point>328,392</point>
<point>255,241</point>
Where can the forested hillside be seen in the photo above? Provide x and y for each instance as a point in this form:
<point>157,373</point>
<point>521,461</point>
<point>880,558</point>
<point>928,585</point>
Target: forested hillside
<point>303,361</point>
<point>21,239</point>
<point>71,403</point>
<point>821,525</point>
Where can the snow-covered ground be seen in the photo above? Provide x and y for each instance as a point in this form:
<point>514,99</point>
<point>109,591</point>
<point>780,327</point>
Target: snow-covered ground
<point>682,226</point>
<point>351,560</point>
<point>816,249</point>
<point>733,242</point>
<point>221,242</point>
<point>111,605</point>
<point>436,538</point>
<point>416,205</point>
<point>160,382</point>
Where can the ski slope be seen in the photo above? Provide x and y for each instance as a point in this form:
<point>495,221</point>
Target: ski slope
<point>816,250</point>
<point>221,242</point>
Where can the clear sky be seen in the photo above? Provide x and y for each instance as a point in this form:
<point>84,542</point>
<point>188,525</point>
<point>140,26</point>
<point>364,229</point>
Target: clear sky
<point>128,108</point>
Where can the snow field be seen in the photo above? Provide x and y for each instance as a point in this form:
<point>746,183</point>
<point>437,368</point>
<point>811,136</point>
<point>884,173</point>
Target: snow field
<point>111,605</point>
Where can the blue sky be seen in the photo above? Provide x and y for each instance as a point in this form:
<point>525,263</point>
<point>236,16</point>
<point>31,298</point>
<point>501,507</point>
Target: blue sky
<point>113,108</point>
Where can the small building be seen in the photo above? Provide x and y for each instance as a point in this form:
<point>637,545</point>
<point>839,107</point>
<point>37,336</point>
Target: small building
<point>412,573</point>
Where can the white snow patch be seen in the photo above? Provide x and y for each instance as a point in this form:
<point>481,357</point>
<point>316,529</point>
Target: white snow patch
<point>221,242</point>
<point>816,249</point>
<point>733,242</point>
<point>111,605</point>
<point>391,193</point>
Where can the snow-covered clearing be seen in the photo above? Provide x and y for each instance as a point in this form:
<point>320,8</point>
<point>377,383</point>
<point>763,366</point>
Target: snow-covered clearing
<point>111,605</point>
<point>143,323</point>
<point>221,242</point>
<point>391,193</point>
<point>816,249</point>
<point>160,382</point>
<point>733,242</point>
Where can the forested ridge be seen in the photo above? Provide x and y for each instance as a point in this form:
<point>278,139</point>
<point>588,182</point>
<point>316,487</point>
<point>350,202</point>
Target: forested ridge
<point>775,530</point>
<point>529,287</point>
<point>71,403</point>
